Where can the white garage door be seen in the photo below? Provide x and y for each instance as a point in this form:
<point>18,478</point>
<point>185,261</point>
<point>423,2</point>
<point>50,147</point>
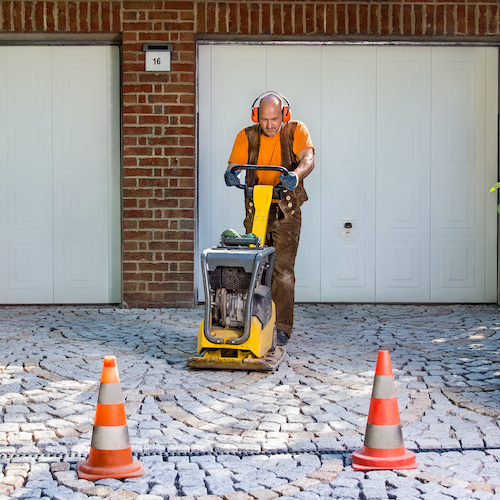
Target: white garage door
<point>59,175</point>
<point>406,141</point>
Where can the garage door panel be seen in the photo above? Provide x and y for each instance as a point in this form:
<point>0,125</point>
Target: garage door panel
<point>78,74</point>
<point>25,176</point>
<point>405,146</point>
<point>282,68</point>
<point>79,199</point>
<point>347,273</point>
<point>459,143</point>
<point>403,108</point>
<point>304,61</point>
<point>28,280</point>
<point>347,152</point>
<point>231,85</point>
<point>27,104</point>
<point>351,78</point>
<point>350,264</point>
<point>406,195</point>
<point>459,110</point>
<point>460,240</point>
<point>457,257</point>
<point>458,76</point>
<point>403,174</point>
<point>457,205</point>
<point>460,151</point>
<point>81,269</point>
<point>348,110</point>
<point>81,186</point>
<point>348,204</point>
<point>400,267</point>
<point>27,206</point>
<point>80,113</point>
<point>26,265</point>
<point>225,100</point>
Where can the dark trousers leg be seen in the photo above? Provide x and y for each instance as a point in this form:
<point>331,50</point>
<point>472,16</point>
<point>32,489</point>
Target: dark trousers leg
<point>284,235</point>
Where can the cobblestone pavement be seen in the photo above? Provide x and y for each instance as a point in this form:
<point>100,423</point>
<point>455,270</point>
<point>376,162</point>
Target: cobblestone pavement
<point>231,435</point>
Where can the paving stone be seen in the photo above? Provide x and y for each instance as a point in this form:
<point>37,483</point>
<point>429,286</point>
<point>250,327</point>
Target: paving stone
<point>286,490</point>
<point>6,489</point>
<point>345,492</point>
<point>122,495</point>
<point>307,495</point>
<point>99,491</point>
<point>263,494</point>
<point>373,494</point>
<point>164,490</point>
<point>238,495</point>
<point>305,483</point>
<point>194,490</point>
<point>482,495</point>
<point>218,485</point>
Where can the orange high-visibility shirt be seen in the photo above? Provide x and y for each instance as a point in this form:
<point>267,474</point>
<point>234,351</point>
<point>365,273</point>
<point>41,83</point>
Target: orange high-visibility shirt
<point>269,151</point>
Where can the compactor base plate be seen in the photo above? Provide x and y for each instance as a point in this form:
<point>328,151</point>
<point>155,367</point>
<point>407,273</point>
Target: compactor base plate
<point>214,359</point>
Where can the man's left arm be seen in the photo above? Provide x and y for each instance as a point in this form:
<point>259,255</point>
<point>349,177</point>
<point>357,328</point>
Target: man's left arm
<point>304,168</point>
<point>306,163</point>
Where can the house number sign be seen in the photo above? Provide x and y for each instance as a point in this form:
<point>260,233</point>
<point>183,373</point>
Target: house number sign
<point>157,56</point>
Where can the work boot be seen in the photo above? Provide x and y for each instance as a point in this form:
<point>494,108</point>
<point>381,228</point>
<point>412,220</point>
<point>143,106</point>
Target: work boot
<point>282,337</point>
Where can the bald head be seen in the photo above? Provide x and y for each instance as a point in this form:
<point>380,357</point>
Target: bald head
<point>270,115</point>
<point>270,99</point>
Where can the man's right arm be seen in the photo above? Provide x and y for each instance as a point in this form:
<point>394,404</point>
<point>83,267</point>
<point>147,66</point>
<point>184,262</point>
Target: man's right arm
<point>237,158</point>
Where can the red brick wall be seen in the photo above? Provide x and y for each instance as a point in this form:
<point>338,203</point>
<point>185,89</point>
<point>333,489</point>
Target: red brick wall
<point>159,108</point>
<point>393,17</point>
<point>60,17</point>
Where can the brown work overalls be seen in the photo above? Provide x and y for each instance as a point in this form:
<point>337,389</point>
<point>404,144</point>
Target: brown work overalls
<point>283,231</point>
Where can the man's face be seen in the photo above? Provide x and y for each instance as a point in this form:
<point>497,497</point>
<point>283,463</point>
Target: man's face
<point>270,118</point>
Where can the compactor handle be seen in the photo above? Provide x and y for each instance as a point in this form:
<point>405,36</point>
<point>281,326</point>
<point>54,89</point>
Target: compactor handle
<point>276,168</point>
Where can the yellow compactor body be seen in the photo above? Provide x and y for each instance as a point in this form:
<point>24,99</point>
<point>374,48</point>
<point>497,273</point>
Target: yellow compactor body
<point>238,331</point>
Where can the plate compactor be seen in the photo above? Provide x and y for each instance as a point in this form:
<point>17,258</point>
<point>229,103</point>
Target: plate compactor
<point>238,331</point>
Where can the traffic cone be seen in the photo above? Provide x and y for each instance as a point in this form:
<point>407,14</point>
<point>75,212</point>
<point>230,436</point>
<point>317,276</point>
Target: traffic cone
<point>110,452</point>
<point>383,447</point>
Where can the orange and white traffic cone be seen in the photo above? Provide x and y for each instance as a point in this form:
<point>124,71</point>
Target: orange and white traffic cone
<point>383,446</point>
<point>110,452</point>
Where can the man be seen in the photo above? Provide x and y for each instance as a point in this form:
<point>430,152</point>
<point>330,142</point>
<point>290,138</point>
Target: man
<point>276,140</point>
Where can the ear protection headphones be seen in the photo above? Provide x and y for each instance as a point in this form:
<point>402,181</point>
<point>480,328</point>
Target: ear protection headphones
<point>286,114</point>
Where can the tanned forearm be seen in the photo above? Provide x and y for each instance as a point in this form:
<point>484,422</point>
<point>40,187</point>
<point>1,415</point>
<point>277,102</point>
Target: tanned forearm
<point>306,163</point>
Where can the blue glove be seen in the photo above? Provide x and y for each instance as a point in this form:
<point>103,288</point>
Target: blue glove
<point>231,179</point>
<point>289,180</point>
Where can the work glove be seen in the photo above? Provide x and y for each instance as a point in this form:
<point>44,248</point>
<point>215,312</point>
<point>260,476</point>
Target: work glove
<point>231,179</point>
<point>289,180</point>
